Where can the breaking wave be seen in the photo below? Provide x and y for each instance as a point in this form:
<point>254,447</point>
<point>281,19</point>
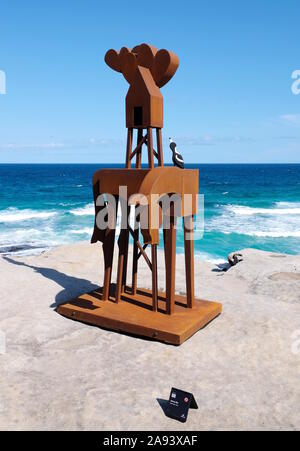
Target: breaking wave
<point>15,215</point>
<point>241,210</point>
<point>87,210</point>
<point>281,220</point>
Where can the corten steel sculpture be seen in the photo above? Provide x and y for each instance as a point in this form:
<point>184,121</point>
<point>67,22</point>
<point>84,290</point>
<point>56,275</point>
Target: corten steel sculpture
<point>163,316</point>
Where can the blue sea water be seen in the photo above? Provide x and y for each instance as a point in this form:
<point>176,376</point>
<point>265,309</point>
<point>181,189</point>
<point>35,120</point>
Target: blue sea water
<point>255,206</point>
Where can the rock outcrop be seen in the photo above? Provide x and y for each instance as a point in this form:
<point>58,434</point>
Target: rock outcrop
<point>243,368</point>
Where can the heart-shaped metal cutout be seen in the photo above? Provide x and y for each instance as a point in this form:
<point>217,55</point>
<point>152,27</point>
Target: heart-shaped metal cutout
<point>146,54</point>
<point>112,60</point>
<point>128,63</point>
<point>165,65</point>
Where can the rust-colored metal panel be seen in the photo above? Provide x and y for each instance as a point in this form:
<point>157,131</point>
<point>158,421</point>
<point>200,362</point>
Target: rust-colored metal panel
<point>146,70</point>
<point>153,184</point>
<point>143,93</point>
<point>153,193</point>
<point>160,180</point>
<point>135,315</point>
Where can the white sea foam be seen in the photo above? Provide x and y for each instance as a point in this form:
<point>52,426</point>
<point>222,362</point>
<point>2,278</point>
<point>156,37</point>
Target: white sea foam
<point>287,204</point>
<point>15,215</point>
<point>87,210</point>
<point>281,234</point>
<point>27,235</point>
<point>66,204</point>
<point>209,258</point>
<point>242,210</point>
<point>282,220</point>
<point>84,231</point>
<point>27,241</point>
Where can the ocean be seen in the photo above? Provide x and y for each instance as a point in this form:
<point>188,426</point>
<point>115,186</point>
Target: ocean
<point>256,206</point>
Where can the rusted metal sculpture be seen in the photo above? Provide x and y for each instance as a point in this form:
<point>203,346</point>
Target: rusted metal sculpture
<point>163,316</point>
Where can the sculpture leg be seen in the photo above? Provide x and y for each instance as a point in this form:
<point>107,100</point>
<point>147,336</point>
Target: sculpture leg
<point>139,154</point>
<point>122,261</point>
<point>122,250</point>
<point>154,277</point>
<point>170,263</point>
<point>159,147</point>
<point>189,259</point>
<point>126,243</point>
<point>129,148</point>
<point>108,252</point>
<point>135,256</point>
<point>150,147</point>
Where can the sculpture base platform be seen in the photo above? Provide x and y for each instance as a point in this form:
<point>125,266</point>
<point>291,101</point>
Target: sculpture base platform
<point>134,315</point>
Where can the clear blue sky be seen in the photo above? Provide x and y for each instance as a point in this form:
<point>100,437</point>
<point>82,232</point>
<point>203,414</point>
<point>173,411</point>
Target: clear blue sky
<point>230,100</point>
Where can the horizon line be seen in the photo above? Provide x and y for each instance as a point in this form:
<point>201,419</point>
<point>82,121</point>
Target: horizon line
<point>145,165</point>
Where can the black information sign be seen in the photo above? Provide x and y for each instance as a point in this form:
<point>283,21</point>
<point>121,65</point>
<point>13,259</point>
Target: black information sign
<point>179,404</point>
